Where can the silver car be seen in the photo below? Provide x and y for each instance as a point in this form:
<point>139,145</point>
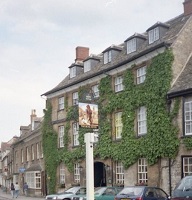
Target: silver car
<point>67,194</point>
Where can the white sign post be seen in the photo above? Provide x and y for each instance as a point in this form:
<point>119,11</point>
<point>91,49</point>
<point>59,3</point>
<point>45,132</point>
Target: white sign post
<point>89,141</point>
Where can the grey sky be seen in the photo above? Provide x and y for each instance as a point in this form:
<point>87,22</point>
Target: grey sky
<point>38,40</point>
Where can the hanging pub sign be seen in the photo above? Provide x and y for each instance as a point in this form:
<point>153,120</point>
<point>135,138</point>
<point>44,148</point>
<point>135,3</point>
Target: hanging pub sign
<point>88,115</point>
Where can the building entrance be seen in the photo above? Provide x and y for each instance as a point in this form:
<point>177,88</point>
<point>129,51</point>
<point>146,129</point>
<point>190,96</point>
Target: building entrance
<point>99,174</point>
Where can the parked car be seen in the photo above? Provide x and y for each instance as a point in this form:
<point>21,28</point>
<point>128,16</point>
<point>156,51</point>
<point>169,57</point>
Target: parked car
<point>183,189</point>
<point>67,194</point>
<point>142,193</point>
<point>101,193</point>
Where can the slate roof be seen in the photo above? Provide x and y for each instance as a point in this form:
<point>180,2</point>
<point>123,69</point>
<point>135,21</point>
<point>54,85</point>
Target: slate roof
<point>183,85</point>
<point>174,26</point>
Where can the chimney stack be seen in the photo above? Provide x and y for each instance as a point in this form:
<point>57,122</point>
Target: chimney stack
<point>33,115</point>
<point>81,53</point>
<point>187,7</point>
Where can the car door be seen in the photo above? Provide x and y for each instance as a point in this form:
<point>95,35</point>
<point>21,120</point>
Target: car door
<point>161,194</point>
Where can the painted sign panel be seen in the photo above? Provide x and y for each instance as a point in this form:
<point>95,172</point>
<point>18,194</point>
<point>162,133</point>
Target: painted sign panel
<point>88,115</point>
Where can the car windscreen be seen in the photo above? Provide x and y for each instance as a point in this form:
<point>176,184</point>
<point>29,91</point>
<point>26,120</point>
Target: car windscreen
<point>132,191</point>
<point>184,184</point>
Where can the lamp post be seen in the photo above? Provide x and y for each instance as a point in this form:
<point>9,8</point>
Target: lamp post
<point>89,140</point>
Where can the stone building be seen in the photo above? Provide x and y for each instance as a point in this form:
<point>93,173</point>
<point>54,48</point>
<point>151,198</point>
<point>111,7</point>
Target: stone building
<point>137,86</point>
<point>27,157</point>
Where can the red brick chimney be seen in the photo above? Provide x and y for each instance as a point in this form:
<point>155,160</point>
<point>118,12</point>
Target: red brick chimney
<point>81,53</point>
<point>187,7</point>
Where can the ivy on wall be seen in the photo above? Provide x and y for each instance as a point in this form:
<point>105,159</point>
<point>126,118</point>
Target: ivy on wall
<point>50,151</point>
<point>161,139</point>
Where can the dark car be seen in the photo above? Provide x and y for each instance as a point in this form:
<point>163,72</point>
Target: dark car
<point>142,193</point>
<point>183,189</point>
<point>101,193</point>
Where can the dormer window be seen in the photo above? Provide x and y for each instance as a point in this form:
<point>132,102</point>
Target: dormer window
<point>72,72</point>
<point>153,35</point>
<point>87,66</point>
<point>131,45</point>
<point>107,57</point>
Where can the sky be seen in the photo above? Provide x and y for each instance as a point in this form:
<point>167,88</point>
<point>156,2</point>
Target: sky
<point>38,40</point>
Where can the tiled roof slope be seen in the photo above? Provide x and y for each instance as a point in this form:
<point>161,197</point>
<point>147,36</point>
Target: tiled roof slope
<point>183,85</point>
<point>175,25</point>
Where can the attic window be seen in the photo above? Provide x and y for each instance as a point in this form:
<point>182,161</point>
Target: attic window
<point>87,66</point>
<point>131,45</point>
<point>153,35</point>
<point>72,72</point>
<point>107,57</point>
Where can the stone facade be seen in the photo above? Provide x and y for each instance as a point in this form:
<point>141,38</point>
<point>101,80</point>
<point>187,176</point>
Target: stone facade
<point>175,35</point>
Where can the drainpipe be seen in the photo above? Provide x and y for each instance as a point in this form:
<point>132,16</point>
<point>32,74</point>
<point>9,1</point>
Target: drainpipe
<point>170,183</point>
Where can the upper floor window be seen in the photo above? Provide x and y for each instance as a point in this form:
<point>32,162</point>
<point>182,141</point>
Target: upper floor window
<point>61,103</point>
<point>142,170</point>
<point>187,165</point>
<point>37,149</point>
<point>95,90</point>
<point>188,116</point>
<point>73,71</point>
<point>75,98</point>
<point>142,120</point>
<point>153,35</point>
<point>141,74</point>
<point>131,45</point>
<point>32,152</point>
<point>27,154</point>
<point>118,125</point>
<point>75,134</point>
<point>87,66</point>
<point>107,57</point>
<point>77,173</point>
<point>61,136</point>
<point>62,173</point>
<point>119,173</point>
<point>119,84</point>
<point>22,158</point>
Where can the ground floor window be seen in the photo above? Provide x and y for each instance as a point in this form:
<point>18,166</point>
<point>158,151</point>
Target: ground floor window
<point>119,173</point>
<point>77,173</point>
<point>187,165</point>
<point>33,179</point>
<point>142,171</point>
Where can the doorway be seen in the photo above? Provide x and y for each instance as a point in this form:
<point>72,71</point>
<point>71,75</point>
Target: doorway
<point>99,174</point>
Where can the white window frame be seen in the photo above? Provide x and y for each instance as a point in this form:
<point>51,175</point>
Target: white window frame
<point>76,173</point>
<point>188,116</point>
<point>62,173</point>
<point>142,120</point>
<point>131,45</point>
<point>119,84</point>
<point>95,90</point>
<point>142,170</point>
<point>75,98</point>
<point>73,71</point>
<point>61,103</point>
<point>119,173</point>
<point>187,165</point>
<point>118,125</point>
<point>107,57</point>
<point>153,35</point>
<point>33,179</point>
<point>87,66</point>
<point>61,136</point>
<point>75,127</point>
<point>141,74</point>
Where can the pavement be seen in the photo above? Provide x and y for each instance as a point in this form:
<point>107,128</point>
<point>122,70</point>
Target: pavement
<point>7,196</point>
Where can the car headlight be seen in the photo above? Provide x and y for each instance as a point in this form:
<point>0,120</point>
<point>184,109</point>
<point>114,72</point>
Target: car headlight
<point>54,197</point>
